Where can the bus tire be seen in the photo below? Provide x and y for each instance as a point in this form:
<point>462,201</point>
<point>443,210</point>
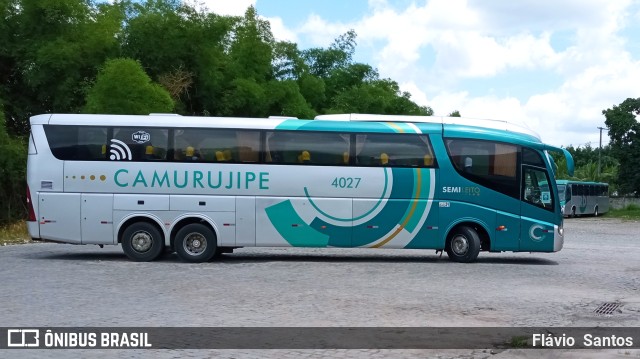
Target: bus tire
<point>573,212</point>
<point>195,243</point>
<point>142,242</point>
<point>595,212</point>
<point>463,245</point>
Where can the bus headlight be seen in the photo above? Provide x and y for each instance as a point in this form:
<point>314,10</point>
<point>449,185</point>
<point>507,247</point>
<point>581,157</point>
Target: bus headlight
<point>561,229</point>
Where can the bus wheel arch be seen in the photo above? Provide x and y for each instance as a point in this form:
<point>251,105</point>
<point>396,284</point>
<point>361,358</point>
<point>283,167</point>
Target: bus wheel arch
<point>194,239</point>
<point>141,238</point>
<point>465,241</point>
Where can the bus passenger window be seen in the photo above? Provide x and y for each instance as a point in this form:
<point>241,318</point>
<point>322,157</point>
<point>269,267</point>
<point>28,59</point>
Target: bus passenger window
<point>307,147</point>
<point>488,163</point>
<point>395,150</point>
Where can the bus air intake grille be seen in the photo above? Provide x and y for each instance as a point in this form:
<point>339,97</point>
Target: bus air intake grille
<point>607,308</point>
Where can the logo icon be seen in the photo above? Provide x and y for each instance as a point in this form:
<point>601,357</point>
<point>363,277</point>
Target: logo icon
<point>532,232</point>
<point>23,338</point>
<point>140,137</point>
<point>119,151</point>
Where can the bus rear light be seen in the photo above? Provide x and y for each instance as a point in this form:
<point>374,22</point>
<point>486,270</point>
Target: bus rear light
<point>32,213</point>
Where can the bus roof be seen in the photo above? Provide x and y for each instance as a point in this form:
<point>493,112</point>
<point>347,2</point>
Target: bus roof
<point>464,121</point>
<point>175,120</point>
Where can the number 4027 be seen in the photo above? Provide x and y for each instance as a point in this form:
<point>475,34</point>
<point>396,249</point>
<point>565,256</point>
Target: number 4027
<point>346,182</point>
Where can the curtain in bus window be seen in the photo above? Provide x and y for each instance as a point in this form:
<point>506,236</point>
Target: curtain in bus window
<point>267,156</point>
<point>505,160</point>
<point>248,145</point>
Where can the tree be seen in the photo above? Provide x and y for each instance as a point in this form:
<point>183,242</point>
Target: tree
<point>122,87</point>
<point>250,68</point>
<point>192,50</point>
<point>54,53</point>
<point>455,113</point>
<point>13,166</point>
<point>322,62</point>
<point>624,132</point>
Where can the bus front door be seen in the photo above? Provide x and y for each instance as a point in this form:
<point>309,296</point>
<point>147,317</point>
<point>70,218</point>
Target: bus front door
<point>538,212</point>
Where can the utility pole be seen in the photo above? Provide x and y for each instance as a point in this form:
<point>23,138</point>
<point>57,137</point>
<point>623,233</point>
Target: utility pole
<point>600,152</point>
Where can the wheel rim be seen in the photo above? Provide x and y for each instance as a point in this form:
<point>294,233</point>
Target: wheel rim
<point>141,241</point>
<point>194,243</point>
<point>460,245</point>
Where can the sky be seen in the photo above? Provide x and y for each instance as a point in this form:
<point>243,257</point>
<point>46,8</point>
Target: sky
<point>552,66</point>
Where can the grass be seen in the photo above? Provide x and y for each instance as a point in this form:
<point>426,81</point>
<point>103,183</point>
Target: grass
<point>519,342</point>
<point>14,233</point>
<point>631,212</point>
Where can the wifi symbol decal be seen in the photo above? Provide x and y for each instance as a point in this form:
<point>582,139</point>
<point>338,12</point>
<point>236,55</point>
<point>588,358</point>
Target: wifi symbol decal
<point>119,151</point>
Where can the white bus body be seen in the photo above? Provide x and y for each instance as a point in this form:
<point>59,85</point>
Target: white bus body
<point>208,185</point>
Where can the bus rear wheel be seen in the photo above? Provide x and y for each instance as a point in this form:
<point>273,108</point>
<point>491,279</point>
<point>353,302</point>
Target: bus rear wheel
<point>142,242</point>
<point>463,245</point>
<point>195,243</point>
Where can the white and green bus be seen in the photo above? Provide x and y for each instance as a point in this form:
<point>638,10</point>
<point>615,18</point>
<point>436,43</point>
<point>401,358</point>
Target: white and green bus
<point>578,198</point>
<point>202,186</point>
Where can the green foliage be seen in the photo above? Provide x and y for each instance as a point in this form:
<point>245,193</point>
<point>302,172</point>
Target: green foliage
<point>286,100</point>
<point>455,113</point>
<point>13,163</point>
<point>322,62</point>
<point>586,160</point>
<point>377,97</point>
<point>631,211</point>
<point>14,232</point>
<point>122,87</point>
<point>517,341</point>
<point>55,51</point>
<point>624,131</point>
<point>191,42</point>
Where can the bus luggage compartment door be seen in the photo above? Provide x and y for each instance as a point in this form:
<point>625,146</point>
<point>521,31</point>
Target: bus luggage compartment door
<point>246,221</point>
<point>59,216</point>
<point>97,218</point>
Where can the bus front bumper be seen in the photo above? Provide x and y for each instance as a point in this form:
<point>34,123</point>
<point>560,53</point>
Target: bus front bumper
<point>558,237</point>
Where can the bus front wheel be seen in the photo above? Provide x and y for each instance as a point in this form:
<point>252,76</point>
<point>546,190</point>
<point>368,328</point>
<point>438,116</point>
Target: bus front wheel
<point>195,243</point>
<point>463,245</point>
<point>142,242</point>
